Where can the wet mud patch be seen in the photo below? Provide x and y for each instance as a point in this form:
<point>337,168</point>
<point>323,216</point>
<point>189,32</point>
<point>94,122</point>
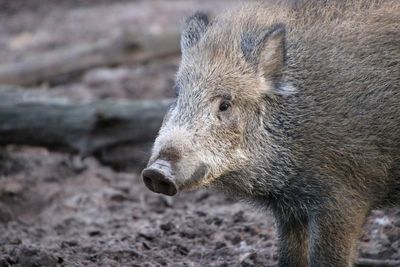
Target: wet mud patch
<point>67,211</point>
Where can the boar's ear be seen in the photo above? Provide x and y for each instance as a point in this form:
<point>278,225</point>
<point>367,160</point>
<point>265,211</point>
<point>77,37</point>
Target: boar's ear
<point>273,52</point>
<point>266,52</point>
<point>194,28</point>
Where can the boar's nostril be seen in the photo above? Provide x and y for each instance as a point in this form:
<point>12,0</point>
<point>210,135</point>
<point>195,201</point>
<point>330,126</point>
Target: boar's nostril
<point>158,182</point>
<point>148,182</point>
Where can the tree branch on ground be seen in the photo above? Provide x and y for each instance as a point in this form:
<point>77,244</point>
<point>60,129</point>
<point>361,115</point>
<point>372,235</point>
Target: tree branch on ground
<point>115,131</point>
<point>376,263</point>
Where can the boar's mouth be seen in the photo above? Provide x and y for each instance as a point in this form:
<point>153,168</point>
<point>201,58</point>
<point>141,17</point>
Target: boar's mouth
<point>199,173</point>
<point>160,177</point>
<point>199,178</point>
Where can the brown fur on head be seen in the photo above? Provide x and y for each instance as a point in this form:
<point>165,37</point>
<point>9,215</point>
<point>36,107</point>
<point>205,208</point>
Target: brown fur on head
<point>228,72</point>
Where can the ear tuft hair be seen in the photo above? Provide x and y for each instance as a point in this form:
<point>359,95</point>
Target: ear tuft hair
<point>254,44</point>
<point>265,51</point>
<point>194,28</point>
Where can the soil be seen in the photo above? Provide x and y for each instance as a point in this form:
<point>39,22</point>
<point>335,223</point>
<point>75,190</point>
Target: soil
<point>63,210</point>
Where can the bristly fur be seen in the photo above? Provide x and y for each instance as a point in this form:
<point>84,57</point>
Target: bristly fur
<point>313,128</point>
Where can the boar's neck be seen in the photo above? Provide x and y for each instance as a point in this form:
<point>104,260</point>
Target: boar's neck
<point>276,177</point>
<point>274,166</point>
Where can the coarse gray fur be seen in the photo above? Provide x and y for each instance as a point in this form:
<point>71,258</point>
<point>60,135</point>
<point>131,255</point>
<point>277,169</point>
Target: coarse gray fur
<point>312,128</point>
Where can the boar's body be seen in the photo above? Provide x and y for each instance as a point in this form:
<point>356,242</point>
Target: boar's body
<point>344,121</point>
<point>306,119</point>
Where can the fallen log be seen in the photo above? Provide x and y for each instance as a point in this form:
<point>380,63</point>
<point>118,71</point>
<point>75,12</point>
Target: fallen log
<point>129,46</point>
<point>376,263</point>
<point>115,131</point>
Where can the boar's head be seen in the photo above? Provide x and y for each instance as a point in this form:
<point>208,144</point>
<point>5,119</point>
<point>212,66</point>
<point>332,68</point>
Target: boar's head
<point>228,86</point>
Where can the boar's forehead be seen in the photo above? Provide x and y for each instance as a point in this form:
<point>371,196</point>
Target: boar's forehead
<point>207,77</point>
<point>197,91</point>
<point>188,116</point>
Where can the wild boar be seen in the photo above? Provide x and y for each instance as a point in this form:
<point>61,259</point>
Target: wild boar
<point>296,108</point>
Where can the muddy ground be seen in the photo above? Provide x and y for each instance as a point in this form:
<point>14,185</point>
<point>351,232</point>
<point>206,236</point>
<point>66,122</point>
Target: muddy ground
<point>62,210</point>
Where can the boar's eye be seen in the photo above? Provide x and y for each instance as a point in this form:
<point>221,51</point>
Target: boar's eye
<point>224,105</point>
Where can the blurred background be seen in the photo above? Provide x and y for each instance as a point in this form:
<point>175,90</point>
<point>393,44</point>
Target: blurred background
<point>84,85</point>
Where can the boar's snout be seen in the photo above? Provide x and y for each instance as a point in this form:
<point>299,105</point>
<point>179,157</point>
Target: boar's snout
<point>159,178</point>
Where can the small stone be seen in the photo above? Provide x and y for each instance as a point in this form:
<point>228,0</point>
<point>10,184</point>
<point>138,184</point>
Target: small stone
<point>167,226</point>
<point>95,233</point>
<point>220,245</point>
<point>15,241</point>
<point>238,217</point>
<point>214,220</point>
<point>145,245</point>
<point>118,197</point>
<point>236,239</point>
<point>184,251</point>
<point>69,243</point>
<point>148,236</point>
<point>201,213</point>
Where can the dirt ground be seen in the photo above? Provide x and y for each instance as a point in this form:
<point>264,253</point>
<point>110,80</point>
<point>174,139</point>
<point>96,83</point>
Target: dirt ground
<point>62,210</point>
